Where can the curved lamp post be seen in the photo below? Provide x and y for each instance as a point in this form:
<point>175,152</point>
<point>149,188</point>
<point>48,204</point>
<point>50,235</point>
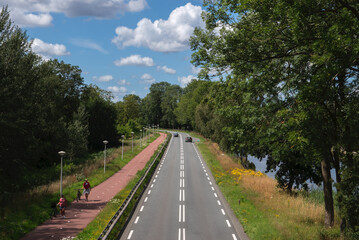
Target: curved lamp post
<point>104,156</point>
<point>61,153</point>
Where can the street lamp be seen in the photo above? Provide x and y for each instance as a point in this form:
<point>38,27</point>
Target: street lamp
<point>132,140</point>
<point>141,137</point>
<point>104,156</point>
<point>123,136</point>
<point>61,153</point>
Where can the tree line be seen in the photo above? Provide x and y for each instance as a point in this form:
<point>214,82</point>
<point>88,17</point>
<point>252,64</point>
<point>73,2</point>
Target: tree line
<point>286,89</point>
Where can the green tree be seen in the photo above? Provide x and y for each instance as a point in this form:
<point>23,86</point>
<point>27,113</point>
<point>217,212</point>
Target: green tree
<point>102,117</point>
<point>169,103</point>
<point>285,55</point>
<point>193,94</point>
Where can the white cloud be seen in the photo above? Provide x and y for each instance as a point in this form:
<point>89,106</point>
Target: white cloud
<point>195,70</point>
<point>117,90</point>
<point>86,43</point>
<point>147,79</point>
<point>37,12</point>
<point>105,78</point>
<point>48,50</point>
<point>166,69</point>
<point>185,80</point>
<point>123,82</point>
<point>135,60</point>
<point>170,35</point>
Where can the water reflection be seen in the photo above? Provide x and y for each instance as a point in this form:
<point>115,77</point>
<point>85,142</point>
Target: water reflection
<point>262,166</point>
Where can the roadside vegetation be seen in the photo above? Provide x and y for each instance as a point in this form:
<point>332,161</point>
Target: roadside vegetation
<point>286,79</point>
<point>31,208</point>
<point>265,210</point>
<point>95,228</point>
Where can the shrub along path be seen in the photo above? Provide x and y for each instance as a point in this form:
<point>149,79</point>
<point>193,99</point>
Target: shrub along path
<point>81,213</point>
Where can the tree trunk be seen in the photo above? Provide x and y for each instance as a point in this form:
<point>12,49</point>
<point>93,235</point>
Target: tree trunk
<point>328,193</point>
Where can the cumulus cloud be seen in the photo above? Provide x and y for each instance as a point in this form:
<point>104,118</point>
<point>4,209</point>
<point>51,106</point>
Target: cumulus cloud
<point>166,69</point>
<point>105,78</point>
<point>123,82</point>
<point>185,80</point>
<point>117,90</point>
<point>89,44</point>
<point>147,79</point>
<point>135,60</point>
<point>48,50</point>
<point>171,35</point>
<point>37,12</point>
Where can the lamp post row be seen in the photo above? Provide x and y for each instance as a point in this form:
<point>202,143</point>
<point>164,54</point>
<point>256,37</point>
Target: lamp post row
<point>62,153</point>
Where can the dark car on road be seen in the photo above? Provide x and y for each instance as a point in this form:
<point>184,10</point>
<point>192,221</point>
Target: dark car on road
<point>175,134</point>
<point>188,139</point>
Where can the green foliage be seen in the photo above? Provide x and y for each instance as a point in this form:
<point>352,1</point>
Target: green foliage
<point>102,118</point>
<point>290,92</point>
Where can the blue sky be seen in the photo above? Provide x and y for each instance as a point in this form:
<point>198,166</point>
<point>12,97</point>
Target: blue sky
<point>122,46</point>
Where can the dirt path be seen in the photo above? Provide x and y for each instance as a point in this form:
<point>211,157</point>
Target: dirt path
<point>82,213</point>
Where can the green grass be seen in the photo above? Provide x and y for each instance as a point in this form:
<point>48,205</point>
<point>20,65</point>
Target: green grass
<point>259,220</point>
<point>25,212</point>
<point>255,222</point>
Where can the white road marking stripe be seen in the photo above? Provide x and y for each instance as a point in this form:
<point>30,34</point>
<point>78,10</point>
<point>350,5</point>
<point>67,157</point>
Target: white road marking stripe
<point>180,213</point>
<point>156,176</point>
<point>136,221</point>
<point>146,199</point>
<point>229,225</point>
<point>149,192</point>
<point>223,212</point>
<point>183,216</point>
<point>184,234</point>
<point>183,196</point>
<point>210,182</point>
<point>179,234</point>
<point>130,235</point>
<point>141,209</point>
<point>152,186</point>
<point>213,188</point>
<point>180,195</point>
<point>154,180</point>
<point>215,194</point>
<point>219,203</point>
<point>234,237</point>
<point>183,182</point>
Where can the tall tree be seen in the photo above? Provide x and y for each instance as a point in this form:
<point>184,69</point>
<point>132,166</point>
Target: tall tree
<point>102,117</point>
<point>298,54</point>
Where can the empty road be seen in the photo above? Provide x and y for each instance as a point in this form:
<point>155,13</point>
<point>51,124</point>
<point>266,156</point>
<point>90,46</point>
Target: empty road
<point>182,201</point>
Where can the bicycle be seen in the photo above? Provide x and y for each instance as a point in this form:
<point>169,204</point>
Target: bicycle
<point>54,210</point>
<point>79,194</point>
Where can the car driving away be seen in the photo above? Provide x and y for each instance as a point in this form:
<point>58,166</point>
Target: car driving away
<point>175,134</point>
<point>188,139</point>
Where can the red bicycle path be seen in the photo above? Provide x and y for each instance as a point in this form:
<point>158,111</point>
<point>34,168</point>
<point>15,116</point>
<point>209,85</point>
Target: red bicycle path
<point>80,214</point>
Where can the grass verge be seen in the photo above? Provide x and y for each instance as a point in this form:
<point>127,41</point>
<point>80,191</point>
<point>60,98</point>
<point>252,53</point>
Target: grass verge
<point>264,211</point>
<point>27,210</point>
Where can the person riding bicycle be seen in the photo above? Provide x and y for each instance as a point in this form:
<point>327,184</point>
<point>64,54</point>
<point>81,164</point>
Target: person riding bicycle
<point>87,189</point>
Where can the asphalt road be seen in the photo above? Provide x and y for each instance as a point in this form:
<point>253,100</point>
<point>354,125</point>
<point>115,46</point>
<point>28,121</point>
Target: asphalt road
<point>182,201</point>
